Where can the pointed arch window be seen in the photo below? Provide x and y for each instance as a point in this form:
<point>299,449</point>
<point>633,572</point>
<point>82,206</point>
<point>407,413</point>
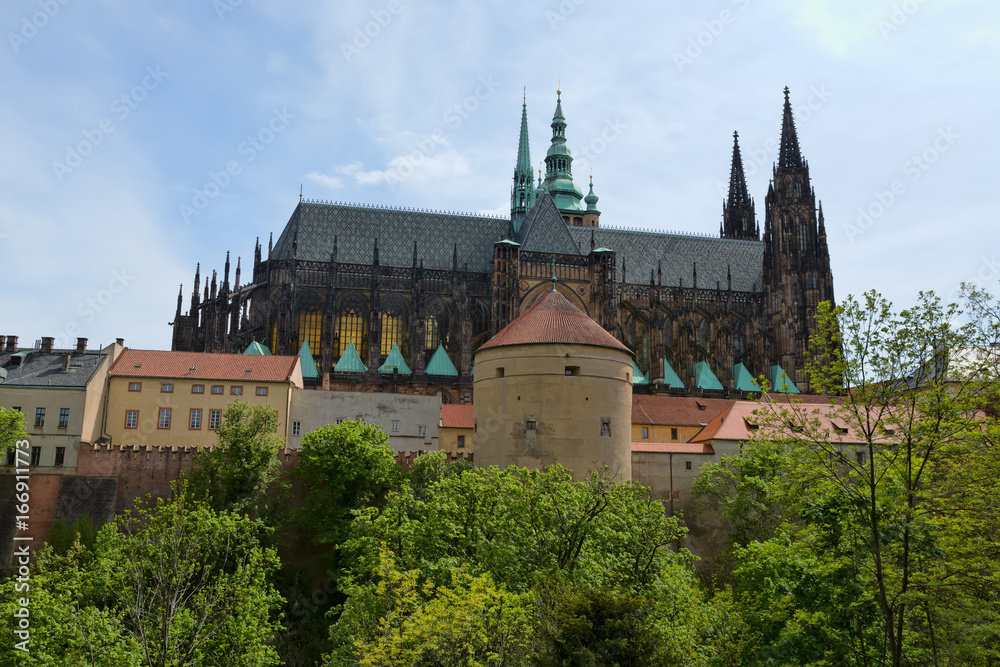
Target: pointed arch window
<point>798,187</point>
<point>308,323</point>
<point>803,230</point>
<point>352,326</point>
<point>703,334</point>
<point>394,326</point>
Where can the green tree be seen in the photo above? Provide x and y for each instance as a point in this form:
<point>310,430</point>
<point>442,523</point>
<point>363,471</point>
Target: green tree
<point>344,467</point>
<point>11,428</point>
<point>889,555</point>
<point>237,473</point>
<point>190,583</point>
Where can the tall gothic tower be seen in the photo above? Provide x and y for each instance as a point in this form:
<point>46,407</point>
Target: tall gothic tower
<point>559,171</point>
<point>796,259</point>
<point>738,218</point>
<point>522,196</point>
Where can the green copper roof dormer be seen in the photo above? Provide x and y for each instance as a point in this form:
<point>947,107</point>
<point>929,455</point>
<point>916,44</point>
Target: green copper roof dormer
<point>670,378</point>
<point>591,198</point>
<point>704,378</point>
<point>395,362</point>
<point>350,362</point>
<point>743,380</point>
<point>440,364</point>
<point>780,381</point>
<point>637,376</point>
<point>559,166</point>
<point>309,369</point>
<point>255,347</point>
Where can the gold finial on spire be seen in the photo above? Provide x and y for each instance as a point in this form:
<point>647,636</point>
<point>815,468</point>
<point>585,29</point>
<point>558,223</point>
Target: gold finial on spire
<point>524,94</point>
<point>558,86</point>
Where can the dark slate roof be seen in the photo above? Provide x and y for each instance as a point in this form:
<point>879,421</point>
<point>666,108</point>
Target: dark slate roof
<point>45,369</point>
<point>356,227</point>
<point>553,319</point>
<point>544,230</point>
<point>678,254</point>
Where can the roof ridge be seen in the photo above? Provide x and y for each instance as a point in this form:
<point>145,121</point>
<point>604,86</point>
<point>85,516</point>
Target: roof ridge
<point>407,209</point>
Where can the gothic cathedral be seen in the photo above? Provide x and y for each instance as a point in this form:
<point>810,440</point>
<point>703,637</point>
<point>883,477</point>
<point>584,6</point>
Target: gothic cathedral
<point>377,298</point>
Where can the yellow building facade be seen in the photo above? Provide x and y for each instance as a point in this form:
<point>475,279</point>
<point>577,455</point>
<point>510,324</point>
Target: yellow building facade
<point>177,399</point>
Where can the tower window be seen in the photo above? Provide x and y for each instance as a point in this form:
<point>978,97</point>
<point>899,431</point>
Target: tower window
<point>572,370</point>
<point>531,426</point>
<point>606,427</point>
<point>499,371</point>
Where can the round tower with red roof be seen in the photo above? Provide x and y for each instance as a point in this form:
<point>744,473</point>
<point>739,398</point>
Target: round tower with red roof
<point>554,387</point>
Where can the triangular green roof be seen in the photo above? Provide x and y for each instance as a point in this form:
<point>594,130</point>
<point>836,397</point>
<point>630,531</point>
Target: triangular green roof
<point>704,378</point>
<point>350,362</point>
<point>308,363</point>
<point>743,379</point>
<point>256,347</point>
<point>440,364</point>
<point>395,362</point>
<point>637,376</point>
<point>670,378</point>
<point>781,383</point>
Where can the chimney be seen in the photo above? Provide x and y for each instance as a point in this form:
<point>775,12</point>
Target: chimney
<point>81,345</point>
<point>11,343</point>
<point>47,344</point>
<point>120,341</point>
<point>65,361</point>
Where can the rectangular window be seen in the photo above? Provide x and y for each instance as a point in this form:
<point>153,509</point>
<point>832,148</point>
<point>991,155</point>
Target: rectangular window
<point>217,388</point>
<point>461,441</point>
<point>262,391</point>
<point>214,419</point>
<point>296,428</point>
<point>530,426</point>
<point>499,371</point>
<point>63,417</point>
<point>687,465</point>
<point>394,426</point>
<point>131,418</point>
<point>164,418</point>
<point>197,389</point>
<point>572,370</point>
<point>10,457</point>
<point>606,427</point>
<point>39,416</point>
<point>60,455</point>
<point>673,434</point>
<point>167,388</point>
<point>17,408</point>
<point>422,431</point>
<point>236,390</point>
<point>860,458</point>
<point>195,423</point>
<point>135,386</point>
<point>36,455</point>
<point>645,433</point>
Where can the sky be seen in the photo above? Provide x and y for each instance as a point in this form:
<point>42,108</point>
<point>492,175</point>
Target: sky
<point>141,138</point>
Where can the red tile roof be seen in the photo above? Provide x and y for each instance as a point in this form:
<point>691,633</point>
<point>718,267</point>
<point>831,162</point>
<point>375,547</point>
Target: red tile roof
<point>673,448</point>
<point>203,366</point>
<point>675,410</point>
<point>739,423</point>
<point>456,416</point>
<point>553,319</point>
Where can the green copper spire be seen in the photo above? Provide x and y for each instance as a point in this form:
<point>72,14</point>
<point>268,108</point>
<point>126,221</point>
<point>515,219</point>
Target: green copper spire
<point>591,198</point>
<point>559,166</point>
<point>394,362</point>
<point>440,364</point>
<point>522,197</point>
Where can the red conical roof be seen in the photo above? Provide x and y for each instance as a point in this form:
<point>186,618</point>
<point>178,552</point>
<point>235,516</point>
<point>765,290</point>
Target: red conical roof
<point>553,319</point>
